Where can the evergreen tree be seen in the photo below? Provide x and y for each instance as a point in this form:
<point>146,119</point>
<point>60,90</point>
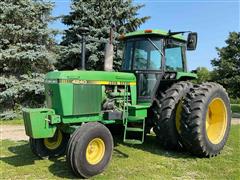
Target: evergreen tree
<point>25,39</point>
<point>98,16</point>
<point>26,51</point>
<point>227,65</point>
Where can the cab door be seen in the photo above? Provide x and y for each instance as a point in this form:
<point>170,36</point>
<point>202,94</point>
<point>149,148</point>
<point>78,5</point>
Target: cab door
<point>147,63</point>
<point>147,84</point>
<point>143,56</point>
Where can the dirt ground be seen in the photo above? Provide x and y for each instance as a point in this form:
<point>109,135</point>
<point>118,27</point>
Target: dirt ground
<point>13,132</point>
<point>17,132</point>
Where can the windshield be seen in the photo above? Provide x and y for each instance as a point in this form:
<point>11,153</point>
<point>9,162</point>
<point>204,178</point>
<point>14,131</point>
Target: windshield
<point>143,54</point>
<point>174,56</point>
<point>146,54</point>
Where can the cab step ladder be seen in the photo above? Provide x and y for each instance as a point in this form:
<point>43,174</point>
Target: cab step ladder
<point>132,119</point>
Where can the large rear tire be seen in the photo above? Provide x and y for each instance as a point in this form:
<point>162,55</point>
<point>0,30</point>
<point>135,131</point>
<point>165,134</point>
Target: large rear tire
<point>90,149</point>
<point>50,147</point>
<point>206,120</point>
<point>168,124</point>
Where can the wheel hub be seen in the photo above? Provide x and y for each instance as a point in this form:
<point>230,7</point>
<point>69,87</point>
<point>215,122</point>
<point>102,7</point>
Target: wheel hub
<point>95,151</point>
<point>216,120</point>
<point>54,142</point>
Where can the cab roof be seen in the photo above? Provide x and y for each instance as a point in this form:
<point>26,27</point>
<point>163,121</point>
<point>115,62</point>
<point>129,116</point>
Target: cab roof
<point>153,32</point>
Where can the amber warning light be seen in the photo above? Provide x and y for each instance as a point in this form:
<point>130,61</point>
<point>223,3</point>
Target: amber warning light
<point>148,31</point>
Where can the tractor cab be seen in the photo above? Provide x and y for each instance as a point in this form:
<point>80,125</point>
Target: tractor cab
<point>154,55</point>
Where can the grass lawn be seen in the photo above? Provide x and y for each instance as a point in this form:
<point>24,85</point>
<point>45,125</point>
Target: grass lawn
<point>147,161</point>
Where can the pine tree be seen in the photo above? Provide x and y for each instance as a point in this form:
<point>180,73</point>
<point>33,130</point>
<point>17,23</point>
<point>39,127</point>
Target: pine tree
<point>26,51</point>
<point>98,16</point>
<point>25,39</point>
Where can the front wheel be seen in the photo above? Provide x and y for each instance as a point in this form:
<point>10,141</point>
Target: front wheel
<point>90,149</point>
<point>50,147</point>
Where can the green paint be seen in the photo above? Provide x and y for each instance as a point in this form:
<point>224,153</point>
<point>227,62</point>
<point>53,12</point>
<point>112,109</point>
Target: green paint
<point>37,122</point>
<point>55,119</point>
<point>186,75</point>
<point>87,99</point>
<point>109,121</point>
<point>137,110</point>
<point>154,32</point>
<point>51,77</point>
<point>66,95</point>
<point>82,118</point>
<point>133,90</point>
<point>60,98</point>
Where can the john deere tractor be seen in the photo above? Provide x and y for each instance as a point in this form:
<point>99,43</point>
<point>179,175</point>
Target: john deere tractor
<point>153,91</point>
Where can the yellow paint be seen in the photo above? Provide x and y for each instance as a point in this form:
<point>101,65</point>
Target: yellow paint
<point>76,81</point>
<point>54,142</point>
<point>100,82</point>
<point>216,120</point>
<point>132,83</point>
<point>95,151</point>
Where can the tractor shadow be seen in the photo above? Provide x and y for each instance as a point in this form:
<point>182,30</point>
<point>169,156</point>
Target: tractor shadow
<point>22,155</point>
<point>61,169</point>
<point>153,146</point>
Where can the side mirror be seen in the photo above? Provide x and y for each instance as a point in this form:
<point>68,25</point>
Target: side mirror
<point>192,41</point>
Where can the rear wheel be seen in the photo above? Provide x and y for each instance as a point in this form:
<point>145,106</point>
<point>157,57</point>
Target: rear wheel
<point>168,124</point>
<point>206,120</point>
<point>90,149</point>
<point>50,147</point>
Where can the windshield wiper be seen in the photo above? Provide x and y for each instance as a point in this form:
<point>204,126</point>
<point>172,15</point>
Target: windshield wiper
<point>170,33</point>
<point>155,46</point>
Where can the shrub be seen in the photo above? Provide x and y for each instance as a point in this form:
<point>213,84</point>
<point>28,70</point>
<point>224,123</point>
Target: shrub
<point>235,108</point>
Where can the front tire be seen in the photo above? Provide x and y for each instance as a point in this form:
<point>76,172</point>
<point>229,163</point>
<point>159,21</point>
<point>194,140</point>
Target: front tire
<point>50,147</point>
<point>206,120</point>
<point>90,149</point>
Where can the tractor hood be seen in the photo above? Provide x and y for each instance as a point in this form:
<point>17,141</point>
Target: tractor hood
<point>85,77</point>
<point>81,92</point>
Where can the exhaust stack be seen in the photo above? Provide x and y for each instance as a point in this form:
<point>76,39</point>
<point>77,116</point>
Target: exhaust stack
<point>108,55</point>
<point>83,33</point>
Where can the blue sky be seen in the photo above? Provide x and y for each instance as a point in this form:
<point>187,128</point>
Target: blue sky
<point>212,19</point>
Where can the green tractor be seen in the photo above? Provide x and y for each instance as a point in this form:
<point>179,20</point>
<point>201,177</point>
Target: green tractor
<point>153,92</point>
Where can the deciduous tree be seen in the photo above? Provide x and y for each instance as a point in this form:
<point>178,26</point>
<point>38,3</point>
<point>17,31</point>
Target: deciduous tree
<point>227,65</point>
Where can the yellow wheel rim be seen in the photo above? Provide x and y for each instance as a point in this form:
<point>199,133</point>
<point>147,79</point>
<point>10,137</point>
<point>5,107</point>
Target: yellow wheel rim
<point>54,142</point>
<point>178,116</point>
<point>216,120</point>
<point>95,151</point>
